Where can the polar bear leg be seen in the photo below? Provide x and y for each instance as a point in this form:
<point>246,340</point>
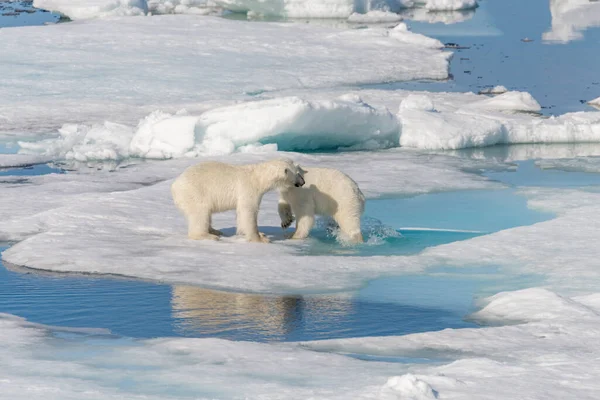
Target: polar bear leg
<point>350,227</point>
<point>199,225</point>
<point>304,224</point>
<point>247,222</point>
<point>285,213</point>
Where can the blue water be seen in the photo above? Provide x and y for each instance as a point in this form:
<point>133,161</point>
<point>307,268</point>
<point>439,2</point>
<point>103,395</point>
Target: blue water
<point>22,13</point>
<point>528,174</point>
<point>561,76</point>
<point>32,170</point>
<point>413,224</point>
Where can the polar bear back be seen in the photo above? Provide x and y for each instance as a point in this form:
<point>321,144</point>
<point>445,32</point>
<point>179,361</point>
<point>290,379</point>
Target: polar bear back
<point>212,182</point>
<point>331,191</point>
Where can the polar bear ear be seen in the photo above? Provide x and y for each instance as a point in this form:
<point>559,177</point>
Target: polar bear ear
<point>302,171</point>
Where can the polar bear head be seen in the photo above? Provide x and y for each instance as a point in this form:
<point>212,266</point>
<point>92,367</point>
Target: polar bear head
<point>286,173</point>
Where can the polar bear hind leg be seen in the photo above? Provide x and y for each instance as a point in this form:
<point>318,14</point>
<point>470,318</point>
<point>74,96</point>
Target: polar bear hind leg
<point>349,227</point>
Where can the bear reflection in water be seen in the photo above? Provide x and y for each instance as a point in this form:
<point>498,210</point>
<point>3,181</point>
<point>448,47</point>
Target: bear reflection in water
<point>253,316</point>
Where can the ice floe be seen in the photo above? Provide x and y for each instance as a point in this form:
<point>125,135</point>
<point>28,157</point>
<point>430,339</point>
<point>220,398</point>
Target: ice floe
<point>570,18</point>
<point>82,364</point>
<point>551,352</point>
<point>91,71</point>
<point>109,232</point>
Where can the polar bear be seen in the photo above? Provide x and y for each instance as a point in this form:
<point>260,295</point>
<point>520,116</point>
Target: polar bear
<point>212,187</point>
<point>327,192</point>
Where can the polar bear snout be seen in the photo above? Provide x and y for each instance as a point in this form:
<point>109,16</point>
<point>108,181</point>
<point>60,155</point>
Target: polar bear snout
<point>299,181</point>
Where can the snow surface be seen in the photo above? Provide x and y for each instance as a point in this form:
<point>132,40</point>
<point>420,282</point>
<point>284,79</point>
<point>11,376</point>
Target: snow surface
<point>570,18</point>
<point>101,220</point>
<point>87,72</point>
<point>551,354</point>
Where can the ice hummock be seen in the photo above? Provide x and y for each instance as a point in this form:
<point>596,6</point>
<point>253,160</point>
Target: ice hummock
<point>360,120</point>
<point>570,18</point>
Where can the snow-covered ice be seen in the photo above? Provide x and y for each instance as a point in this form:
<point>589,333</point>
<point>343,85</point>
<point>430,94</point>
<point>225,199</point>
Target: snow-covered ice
<point>94,8</point>
<point>79,364</point>
<point>104,216</point>
<point>550,354</point>
<point>570,18</point>
<point>87,72</point>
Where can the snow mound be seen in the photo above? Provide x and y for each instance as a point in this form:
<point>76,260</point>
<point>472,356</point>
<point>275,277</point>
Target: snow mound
<point>407,387</point>
<point>535,304</point>
<point>94,8</point>
<point>509,101</point>
<point>374,16</point>
<point>595,103</point>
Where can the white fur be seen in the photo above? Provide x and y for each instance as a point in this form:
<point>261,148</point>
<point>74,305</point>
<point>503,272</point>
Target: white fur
<point>213,187</point>
<point>327,192</point>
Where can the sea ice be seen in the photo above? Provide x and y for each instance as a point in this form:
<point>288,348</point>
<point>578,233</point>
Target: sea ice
<point>570,18</point>
<point>595,103</point>
<point>87,364</point>
<point>113,235</point>
<point>550,353</point>
<point>324,120</point>
<point>94,8</point>
<point>88,72</point>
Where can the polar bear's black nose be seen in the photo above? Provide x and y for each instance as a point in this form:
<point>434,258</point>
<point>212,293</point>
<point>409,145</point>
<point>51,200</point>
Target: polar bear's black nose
<point>299,181</point>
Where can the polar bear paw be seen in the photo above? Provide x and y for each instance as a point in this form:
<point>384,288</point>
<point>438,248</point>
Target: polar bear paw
<point>286,219</point>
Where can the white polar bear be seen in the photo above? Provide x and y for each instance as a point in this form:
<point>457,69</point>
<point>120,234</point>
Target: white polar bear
<point>327,192</point>
<point>212,187</point>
